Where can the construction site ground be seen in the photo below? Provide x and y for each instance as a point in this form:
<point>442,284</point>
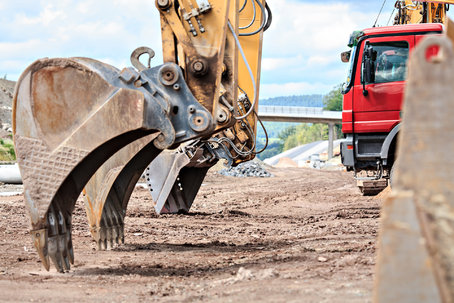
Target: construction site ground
<point>302,236</point>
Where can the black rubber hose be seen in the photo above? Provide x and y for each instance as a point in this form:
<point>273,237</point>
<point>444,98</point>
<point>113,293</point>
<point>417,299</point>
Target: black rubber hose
<point>244,5</point>
<point>269,18</point>
<point>262,26</point>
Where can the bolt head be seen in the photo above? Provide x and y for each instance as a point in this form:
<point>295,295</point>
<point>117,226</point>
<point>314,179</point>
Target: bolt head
<point>138,83</point>
<point>168,75</point>
<point>163,3</point>
<point>222,116</point>
<point>198,66</point>
<point>160,138</point>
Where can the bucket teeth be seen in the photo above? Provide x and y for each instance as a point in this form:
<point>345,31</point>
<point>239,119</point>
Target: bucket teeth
<point>121,238</point>
<point>40,242</point>
<point>110,233</point>
<point>102,244</point>
<point>102,237</point>
<point>69,241</point>
<point>117,221</point>
<point>59,243</point>
<point>109,240</point>
<point>114,225</point>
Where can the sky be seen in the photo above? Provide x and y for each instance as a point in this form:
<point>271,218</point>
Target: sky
<point>301,50</point>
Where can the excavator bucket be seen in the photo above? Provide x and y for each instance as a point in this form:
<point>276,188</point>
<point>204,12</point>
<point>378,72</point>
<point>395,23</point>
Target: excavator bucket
<point>70,116</point>
<point>416,242</point>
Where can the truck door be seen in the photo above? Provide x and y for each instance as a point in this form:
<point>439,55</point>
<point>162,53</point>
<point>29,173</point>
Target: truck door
<point>378,110</point>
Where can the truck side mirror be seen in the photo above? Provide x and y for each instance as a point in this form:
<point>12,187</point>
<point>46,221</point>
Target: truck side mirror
<point>369,71</point>
<point>345,56</point>
<point>368,76</point>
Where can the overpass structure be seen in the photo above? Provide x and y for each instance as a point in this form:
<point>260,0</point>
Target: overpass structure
<point>303,115</point>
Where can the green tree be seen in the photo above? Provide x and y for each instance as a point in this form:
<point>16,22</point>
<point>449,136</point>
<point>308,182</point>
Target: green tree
<point>306,133</point>
<point>287,132</point>
<point>333,100</point>
<point>291,142</point>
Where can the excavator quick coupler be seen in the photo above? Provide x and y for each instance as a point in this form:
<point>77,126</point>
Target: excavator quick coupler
<point>69,117</point>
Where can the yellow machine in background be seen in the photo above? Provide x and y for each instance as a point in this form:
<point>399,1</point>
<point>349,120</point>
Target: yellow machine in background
<point>414,12</point>
<point>80,124</point>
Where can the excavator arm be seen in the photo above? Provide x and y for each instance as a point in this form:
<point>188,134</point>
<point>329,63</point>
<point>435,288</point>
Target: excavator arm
<point>81,125</point>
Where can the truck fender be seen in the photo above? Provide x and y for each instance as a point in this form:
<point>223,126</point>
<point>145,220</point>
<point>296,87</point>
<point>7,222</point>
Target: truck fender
<point>388,141</point>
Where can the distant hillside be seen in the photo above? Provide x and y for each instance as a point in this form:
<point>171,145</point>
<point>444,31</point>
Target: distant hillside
<point>6,99</point>
<point>301,100</point>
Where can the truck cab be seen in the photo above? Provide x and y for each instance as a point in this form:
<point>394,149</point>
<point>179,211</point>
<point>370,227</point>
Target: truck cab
<point>373,94</point>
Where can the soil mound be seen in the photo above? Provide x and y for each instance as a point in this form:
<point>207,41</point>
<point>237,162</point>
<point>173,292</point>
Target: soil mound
<point>286,162</point>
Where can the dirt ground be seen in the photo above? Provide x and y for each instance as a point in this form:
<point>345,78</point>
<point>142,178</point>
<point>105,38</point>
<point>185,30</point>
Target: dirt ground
<point>302,236</point>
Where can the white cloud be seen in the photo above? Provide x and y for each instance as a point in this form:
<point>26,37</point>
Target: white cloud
<point>48,16</point>
<point>320,60</point>
<point>22,49</point>
<point>312,28</point>
<point>269,64</point>
<point>300,55</point>
<point>65,28</point>
<point>301,49</point>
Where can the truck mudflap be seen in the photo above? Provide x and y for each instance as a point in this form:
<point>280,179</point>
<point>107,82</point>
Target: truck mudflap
<point>70,116</point>
<point>347,152</point>
<point>416,241</point>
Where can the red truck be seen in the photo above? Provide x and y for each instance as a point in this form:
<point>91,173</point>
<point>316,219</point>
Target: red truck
<point>372,100</point>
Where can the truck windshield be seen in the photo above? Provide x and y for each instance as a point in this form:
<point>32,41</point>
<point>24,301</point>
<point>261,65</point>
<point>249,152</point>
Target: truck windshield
<point>350,69</point>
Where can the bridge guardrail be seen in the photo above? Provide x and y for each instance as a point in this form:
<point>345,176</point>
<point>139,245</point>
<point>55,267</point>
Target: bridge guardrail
<point>299,112</point>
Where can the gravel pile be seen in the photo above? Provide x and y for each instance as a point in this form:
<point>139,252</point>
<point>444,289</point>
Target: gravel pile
<point>248,169</point>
